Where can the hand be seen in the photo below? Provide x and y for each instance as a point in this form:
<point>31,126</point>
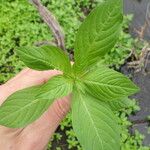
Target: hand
<point>36,135</point>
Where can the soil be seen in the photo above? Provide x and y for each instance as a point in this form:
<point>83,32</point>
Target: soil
<point>140,119</point>
<point>138,8</point>
<point>60,143</point>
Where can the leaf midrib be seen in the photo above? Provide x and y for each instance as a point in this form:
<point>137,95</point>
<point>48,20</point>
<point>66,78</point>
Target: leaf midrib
<point>103,25</point>
<point>22,108</point>
<point>38,58</point>
<point>105,84</point>
<point>84,104</point>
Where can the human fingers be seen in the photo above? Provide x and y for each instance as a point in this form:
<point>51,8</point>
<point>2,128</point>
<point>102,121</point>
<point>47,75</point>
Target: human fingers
<point>24,79</point>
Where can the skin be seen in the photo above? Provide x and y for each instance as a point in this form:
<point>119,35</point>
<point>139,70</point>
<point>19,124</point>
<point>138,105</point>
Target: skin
<point>36,135</point>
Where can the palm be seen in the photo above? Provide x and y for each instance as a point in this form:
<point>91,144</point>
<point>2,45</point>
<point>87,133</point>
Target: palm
<point>37,134</point>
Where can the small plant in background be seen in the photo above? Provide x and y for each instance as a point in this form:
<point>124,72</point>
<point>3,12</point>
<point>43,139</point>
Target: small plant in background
<point>97,92</point>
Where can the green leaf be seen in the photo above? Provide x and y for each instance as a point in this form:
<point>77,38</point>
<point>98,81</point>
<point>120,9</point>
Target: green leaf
<point>58,85</point>
<point>94,123</point>
<point>23,107</point>
<point>98,33</point>
<point>44,58</point>
<point>120,104</point>
<point>106,84</point>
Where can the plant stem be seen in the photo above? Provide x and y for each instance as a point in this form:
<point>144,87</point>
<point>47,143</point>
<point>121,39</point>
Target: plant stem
<point>53,24</point>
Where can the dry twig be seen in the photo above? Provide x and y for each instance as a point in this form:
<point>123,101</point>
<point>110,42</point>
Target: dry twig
<point>142,62</point>
<point>53,24</point>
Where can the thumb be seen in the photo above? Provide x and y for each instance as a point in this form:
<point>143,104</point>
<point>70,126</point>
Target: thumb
<point>60,108</point>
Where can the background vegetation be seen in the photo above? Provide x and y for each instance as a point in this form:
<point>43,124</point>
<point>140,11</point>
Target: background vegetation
<point>21,25</point>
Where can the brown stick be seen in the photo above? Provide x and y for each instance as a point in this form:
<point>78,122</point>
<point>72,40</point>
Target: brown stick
<point>53,24</point>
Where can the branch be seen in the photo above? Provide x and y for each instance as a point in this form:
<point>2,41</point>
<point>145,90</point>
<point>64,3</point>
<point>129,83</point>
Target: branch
<point>53,24</point>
